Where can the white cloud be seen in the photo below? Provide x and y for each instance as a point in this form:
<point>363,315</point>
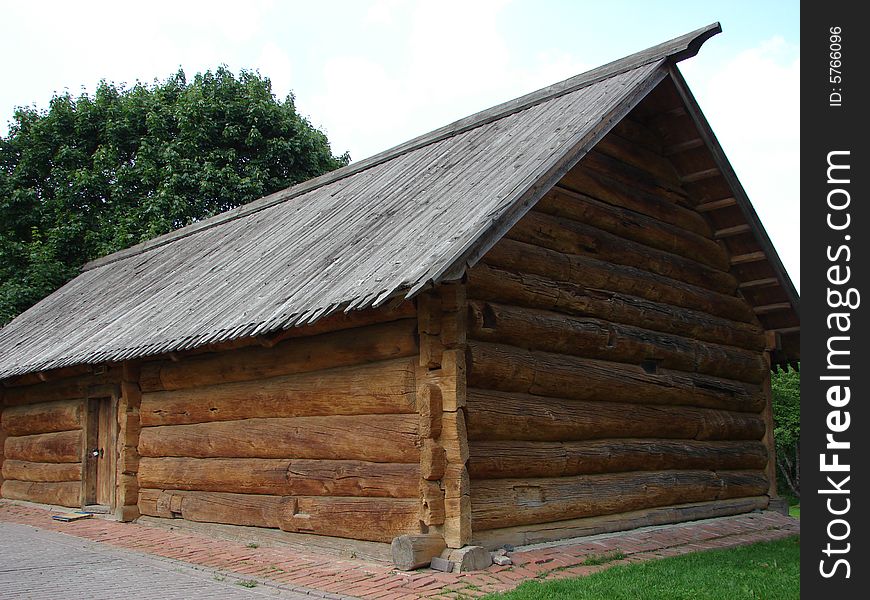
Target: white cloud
<point>753,104</point>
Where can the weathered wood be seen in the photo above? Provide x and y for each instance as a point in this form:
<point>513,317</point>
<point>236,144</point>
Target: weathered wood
<point>433,460</point>
<point>637,156</point>
<point>634,226</point>
<point>377,388</point>
<point>341,348</point>
<point>335,437</point>
<point>71,388</point>
<point>586,526</point>
<point>522,459</point>
<point>282,477</point>
<point>430,407</point>
<point>61,493</point>
<point>416,551</point>
<point>534,291</point>
<point>512,369</point>
<point>59,447</point>
<point>636,178</point>
<point>37,471</point>
<point>520,257</point>
<point>64,415</point>
<point>595,338</point>
<point>509,502</point>
<point>607,189</point>
<point>571,237</point>
<point>377,520</point>
<point>431,503</point>
<point>494,415</point>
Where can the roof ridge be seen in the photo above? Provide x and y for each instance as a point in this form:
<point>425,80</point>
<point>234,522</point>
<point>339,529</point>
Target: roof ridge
<point>677,49</point>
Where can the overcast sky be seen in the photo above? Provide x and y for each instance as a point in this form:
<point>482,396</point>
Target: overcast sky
<point>374,73</point>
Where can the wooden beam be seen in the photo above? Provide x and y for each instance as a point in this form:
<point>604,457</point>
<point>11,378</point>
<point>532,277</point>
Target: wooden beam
<point>699,175</point>
<point>716,205</point>
<point>769,308</point>
<point>683,146</point>
<point>786,330</point>
<point>749,257</point>
<point>759,283</point>
<point>732,231</point>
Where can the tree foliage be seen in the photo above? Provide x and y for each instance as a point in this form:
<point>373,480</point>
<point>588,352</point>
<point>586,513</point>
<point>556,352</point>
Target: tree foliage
<point>786,391</point>
<point>95,174</point>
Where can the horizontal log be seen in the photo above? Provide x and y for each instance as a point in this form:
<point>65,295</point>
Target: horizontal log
<point>341,348</point>
<point>612,191</point>
<point>252,510</point>
<point>59,447</point>
<point>60,493</point>
<point>67,388</point>
<point>512,369</point>
<point>493,415</point>
<point>48,417</point>
<point>377,438</point>
<point>639,157</point>
<point>37,471</point>
<point>282,477</point>
<point>534,291</point>
<point>377,520</point>
<point>634,226</point>
<point>596,338</point>
<point>548,532</point>
<point>500,503</point>
<point>636,178</point>
<point>521,459</point>
<point>378,388</point>
<point>520,257</point>
<point>572,237</point>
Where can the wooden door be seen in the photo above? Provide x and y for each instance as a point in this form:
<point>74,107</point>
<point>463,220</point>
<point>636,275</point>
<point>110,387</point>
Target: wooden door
<point>100,453</point>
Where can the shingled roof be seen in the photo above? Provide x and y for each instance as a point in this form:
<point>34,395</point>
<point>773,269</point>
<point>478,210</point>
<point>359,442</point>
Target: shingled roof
<point>385,227</point>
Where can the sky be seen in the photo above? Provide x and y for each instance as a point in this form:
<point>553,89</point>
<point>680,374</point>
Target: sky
<point>375,73</point>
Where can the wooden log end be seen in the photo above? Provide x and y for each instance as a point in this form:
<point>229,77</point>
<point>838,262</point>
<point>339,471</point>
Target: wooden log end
<point>411,552</point>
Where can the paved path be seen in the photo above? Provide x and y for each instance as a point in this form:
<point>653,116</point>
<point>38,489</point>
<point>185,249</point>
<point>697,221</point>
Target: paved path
<point>159,551</point>
<point>46,565</point>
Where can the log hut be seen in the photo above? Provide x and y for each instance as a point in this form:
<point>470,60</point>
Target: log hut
<point>552,318</point>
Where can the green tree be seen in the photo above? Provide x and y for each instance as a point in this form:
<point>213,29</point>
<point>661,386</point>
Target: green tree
<point>95,174</point>
<point>786,391</point>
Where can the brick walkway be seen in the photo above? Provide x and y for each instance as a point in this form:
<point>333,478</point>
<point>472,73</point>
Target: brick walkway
<point>313,573</point>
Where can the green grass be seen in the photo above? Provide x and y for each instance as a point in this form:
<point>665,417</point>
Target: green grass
<point>247,583</point>
<point>768,571</point>
<point>603,559</point>
<point>795,511</point>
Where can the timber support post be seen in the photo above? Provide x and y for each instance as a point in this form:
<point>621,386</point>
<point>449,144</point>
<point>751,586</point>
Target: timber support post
<point>127,492</point>
<point>444,484</point>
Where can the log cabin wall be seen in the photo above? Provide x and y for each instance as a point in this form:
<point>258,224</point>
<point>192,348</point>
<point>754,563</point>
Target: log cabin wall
<point>315,434</point>
<point>43,436</point>
<point>616,378</point>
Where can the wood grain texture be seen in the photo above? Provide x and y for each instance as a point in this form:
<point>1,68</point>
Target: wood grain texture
<point>67,388</point>
<point>341,348</point>
<point>334,437</point>
<point>524,459</point>
<point>509,502</point>
<point>377,388</point>
<point>494,415</point>
<point>634,226</point>
<point>586,526</point>
<point>59,447</point>
<point>48,417</point>
<point>488,283</point>
<point>282,477</point>
<point>600,339</point>
<point>571,237</point>
<point>37,471</point>
<point>64,493</point>
<point>377,520</point>
<point>512,369</point>
<point>520,257</point>
<point>416,551</point>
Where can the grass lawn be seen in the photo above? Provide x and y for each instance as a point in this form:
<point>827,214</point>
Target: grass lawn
<point>768,571</point>
<point>795,511</point>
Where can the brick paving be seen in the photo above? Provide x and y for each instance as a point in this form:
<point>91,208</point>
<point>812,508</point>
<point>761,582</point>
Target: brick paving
<point>291,570</point>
